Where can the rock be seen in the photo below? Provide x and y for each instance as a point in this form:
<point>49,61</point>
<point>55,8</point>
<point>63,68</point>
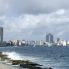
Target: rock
<point>49,68</point>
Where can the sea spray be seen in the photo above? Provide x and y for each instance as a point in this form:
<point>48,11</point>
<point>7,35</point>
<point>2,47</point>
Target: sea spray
<point>13,55</point>
<point>17,56</point>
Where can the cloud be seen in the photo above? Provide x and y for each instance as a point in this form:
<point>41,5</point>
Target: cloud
<point>29,26</point>
<point>32,19</point>
<point>38,6</point>
<point>19,7</point>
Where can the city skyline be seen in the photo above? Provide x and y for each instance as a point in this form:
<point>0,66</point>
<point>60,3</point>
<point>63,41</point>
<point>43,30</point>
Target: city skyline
<point>27,19</point>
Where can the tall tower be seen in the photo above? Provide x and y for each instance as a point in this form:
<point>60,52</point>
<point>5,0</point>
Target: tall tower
<point>1,35</point>
<point>49,38</point>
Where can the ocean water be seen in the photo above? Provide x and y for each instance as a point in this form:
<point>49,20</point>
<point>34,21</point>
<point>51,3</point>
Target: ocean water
<point>55,57</point>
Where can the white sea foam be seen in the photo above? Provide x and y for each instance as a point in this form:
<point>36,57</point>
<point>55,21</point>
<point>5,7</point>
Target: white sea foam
<point>16,56</point>
<point>13,55</point>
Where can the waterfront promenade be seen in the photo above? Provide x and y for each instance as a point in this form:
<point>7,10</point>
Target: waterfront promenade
<point>6,66</point>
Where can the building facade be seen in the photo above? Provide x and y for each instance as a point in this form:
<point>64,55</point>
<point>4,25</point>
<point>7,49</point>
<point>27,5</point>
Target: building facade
<point>49,38</point>
<point>1,35</point>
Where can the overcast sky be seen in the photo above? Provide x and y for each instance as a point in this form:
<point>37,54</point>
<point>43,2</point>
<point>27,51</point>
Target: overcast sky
<point>33,19</point>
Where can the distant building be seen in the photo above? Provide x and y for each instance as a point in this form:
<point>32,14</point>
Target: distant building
<point>49,38</point>
<point>63,42</point>
<point>58,39</point>
<point>1,35</point>
<point>39,43</point>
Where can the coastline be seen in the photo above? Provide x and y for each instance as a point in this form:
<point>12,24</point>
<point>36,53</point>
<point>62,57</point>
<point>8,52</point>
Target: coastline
<point>6,66</point>
<point>9,66</point>
<point>7,63</point>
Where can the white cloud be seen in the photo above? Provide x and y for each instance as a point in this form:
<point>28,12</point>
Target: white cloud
<point>35,26</point>
<point>60,12</point>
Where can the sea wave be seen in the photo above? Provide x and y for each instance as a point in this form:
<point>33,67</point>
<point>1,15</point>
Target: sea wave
<point>17,56</point>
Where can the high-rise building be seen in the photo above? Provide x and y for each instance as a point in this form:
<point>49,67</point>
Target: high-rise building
<point>1,35</point>
<point>49,38</point>
<point>58,39</point>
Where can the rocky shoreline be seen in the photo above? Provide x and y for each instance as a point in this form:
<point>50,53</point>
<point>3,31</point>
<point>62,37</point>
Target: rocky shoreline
<point>22,63</point>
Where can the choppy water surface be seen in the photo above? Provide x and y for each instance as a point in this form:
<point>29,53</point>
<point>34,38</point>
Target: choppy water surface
<point>55,57</point>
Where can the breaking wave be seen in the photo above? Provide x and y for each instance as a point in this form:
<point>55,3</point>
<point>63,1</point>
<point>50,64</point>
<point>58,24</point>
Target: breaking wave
<point>17,56</point>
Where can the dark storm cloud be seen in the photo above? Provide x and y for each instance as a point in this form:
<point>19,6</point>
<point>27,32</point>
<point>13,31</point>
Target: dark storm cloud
<point>37,6</point>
